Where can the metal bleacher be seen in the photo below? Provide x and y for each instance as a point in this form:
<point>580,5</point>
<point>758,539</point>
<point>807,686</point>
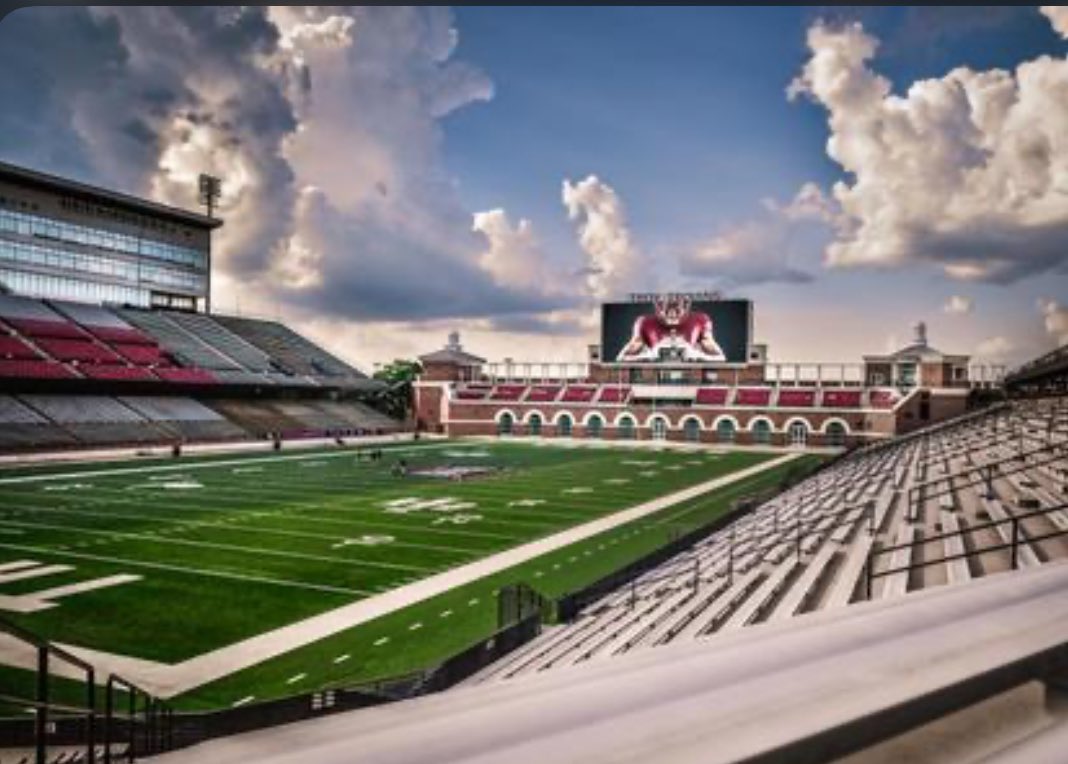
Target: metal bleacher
<point>960,502</point>
<point>289,350</point>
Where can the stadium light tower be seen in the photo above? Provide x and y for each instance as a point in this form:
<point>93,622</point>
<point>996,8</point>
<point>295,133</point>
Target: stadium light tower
<point>210,189</point>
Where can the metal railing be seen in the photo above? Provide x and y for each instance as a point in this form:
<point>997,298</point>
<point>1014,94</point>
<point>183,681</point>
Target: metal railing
<point>1054,452</point>
<point>137,732</point>
<point>1017,538</point>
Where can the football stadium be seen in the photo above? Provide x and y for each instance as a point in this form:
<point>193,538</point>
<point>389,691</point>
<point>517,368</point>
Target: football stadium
<point>223,540</point>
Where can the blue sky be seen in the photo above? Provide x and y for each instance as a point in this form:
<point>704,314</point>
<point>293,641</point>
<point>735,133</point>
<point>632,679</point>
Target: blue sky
<point>384,176</point>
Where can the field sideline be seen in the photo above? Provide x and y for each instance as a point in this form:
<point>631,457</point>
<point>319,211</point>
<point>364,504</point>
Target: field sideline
<point>218,550</point>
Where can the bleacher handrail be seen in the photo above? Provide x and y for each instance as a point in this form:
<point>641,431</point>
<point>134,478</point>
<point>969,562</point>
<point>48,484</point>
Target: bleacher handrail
<point>1017,537</point>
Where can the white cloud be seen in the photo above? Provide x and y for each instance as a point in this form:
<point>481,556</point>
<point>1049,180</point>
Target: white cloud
<point>612,257</point>
<point>756,251</point>
<point>996,348</point>
<point>810,203</point>
<point>514,255</point>
<point>968,171</point>
<point>957,305</point>
<point>1055,318</point>
<point>1058,17</point>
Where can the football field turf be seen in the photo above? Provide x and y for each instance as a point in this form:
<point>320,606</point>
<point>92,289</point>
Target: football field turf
<point>167,560</point>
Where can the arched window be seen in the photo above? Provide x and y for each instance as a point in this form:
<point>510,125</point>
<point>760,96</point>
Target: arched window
<point>836,434</point>
<point>534,424</point>
<point>692,430</point>
<point>725,431</point>
<point>564,425</point>
<point>798,434</point>
<point>626,428</point>
<point>659,429</point>
<point>594,427</point>
<point>505,424</point>
<point>761,431</point>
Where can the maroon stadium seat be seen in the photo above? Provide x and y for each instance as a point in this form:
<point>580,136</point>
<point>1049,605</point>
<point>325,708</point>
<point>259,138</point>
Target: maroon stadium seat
<point>753,396</point>
<point>797,398</point>
<point>34,369</point>
<point>712,396</point>
<point>13,347</point>
<point>842,399</point>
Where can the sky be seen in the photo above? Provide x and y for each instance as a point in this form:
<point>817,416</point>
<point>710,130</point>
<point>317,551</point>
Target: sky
<point>392,174</point>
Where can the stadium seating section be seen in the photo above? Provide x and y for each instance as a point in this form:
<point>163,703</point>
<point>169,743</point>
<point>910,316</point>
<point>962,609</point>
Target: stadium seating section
<point>797,398</point>
<point>34,421</point>
<point>42,339</point>
<point>807,549</point>
<point>711,396</point>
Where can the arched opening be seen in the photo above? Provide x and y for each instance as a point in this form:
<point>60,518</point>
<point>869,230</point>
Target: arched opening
<point>659,429</point>
<point>725,431</point>
<point>798,434</point>
<point>594,427</point>
<point>505,424</point>
<point>691,430</point>
<point>836,434</point>
<point>534,424</point>
<point>564,425</point>
<point>627,430</point>
<point>761,431</point>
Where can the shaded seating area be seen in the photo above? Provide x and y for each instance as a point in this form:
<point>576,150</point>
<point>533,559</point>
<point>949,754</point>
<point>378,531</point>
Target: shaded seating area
<point>578,394</point>
<point>614,394</point>
<point>752,396</point>
<point>543,393</point>
<point>843,399</point>
<point>712,396</point>
<point>797,398</point>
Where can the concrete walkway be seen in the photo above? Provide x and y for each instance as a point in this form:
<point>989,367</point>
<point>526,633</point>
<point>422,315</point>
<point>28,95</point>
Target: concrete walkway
<point>168,680</point>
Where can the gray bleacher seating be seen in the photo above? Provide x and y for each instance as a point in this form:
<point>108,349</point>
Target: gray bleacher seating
<point>289,349</point>
<point>185,417</point>
<point>808,548</point>
<point>188,348</point>
<point>223,340</point>
<point>95,419</point>
<point>23,428</point>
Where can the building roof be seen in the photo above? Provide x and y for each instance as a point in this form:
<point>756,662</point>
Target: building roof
<point>55,183</point>
<point>454,356</point>
<point>918,350</point>
<point>453,353</point>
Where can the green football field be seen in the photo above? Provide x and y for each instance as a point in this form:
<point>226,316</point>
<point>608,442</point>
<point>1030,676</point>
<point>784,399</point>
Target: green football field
<point>165,560</point>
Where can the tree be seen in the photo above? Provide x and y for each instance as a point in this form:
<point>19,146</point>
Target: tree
<point>396,399</point>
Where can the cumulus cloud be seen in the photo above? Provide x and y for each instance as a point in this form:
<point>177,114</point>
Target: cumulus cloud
<point>957,305</point>
<point>1055,318</point>
<point>324,124</point>
<point>753,252</point>
<point>996,348</point>
<point>968,171</point>
<point>612,265</point>
<point>1058,17</point>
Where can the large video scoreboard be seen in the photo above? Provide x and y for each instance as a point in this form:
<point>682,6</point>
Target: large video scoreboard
<point>676,328</point>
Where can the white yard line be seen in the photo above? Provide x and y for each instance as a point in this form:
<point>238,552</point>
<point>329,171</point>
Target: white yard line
<point>170,680</point>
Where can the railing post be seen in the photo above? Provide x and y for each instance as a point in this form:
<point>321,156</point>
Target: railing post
<point>871,518</point>
<point>868,576</point>
<point>799,537</point>
<point>108,711</point>
<point>1015,543</point>
<point>41,720</point>
<point>90,753</point>
<point>730,560</point>
<point>132,724</point>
